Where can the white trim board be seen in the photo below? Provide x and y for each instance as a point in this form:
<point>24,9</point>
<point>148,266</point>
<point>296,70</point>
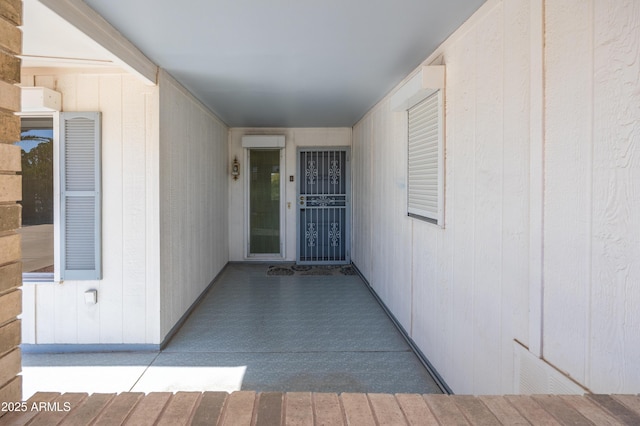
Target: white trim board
<point>534,375</point>
<point>536,180</point>
<point>165,77</point>
<point>47,348</point>
<point>87,20</point>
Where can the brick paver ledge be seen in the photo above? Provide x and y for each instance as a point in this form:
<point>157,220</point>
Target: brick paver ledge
<point>303,408</point>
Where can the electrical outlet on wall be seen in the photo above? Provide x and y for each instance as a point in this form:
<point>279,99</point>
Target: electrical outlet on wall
<point>91,297</point>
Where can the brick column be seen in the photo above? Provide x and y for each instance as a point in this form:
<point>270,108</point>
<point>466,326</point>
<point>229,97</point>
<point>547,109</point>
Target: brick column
<point>10,193</point>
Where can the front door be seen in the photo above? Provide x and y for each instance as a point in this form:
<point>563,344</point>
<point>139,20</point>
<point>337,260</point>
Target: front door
<point>323,206</point>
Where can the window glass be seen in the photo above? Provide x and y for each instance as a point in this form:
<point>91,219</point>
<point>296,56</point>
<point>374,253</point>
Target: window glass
<point>264,203</point>
<point>36,143</point>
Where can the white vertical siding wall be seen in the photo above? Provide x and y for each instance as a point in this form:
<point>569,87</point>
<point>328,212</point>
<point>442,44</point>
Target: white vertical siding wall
<point>194,236</point>
<point>592,169</point>
<point>294,138</point>
<point>464,292</point>
<point>128,295</point>
<point>460,291</point>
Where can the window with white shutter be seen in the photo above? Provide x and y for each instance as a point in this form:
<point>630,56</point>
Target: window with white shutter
<point>426,160</point>
<point>80,196</point>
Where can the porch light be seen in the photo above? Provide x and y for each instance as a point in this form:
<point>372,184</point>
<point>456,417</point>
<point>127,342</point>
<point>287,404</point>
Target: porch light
<point>235,168</point>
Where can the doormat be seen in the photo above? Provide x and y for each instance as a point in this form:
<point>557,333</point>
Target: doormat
<point>287,270</point>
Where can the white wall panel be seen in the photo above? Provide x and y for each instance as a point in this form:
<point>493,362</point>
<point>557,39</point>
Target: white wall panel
<point>28,327</point>
<point>362,203</point>
<point>88,85</point>
<point>429,327</point>
<point>515,181</point>
<point>488,180</point>
<point>567,219</point>
<point>59,313</point>
<point>66,313</point>
<point>615,294</point>
<point>88,319</point>
<point>461,310</point>
<point>461,227</point>
<point>111,315</point>
<point>134,197</point>
<point>392,278</point>
<point>193,209</point>
<point>473,281</point>
<point>379,202</point>
<point>592,248</point>
<point>44,315</point>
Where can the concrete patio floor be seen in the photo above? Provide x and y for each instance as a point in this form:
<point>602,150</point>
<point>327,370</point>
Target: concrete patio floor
<point>295,350</point>
<point>259,333</point>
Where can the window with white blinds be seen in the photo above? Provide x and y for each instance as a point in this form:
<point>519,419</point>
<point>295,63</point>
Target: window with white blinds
<point>80,200</point>
<point>426,160</point>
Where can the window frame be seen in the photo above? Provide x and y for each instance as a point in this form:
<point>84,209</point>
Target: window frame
<point>49,277</point>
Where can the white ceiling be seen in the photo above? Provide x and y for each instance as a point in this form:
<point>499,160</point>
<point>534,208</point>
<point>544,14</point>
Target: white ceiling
<point>282,63</point>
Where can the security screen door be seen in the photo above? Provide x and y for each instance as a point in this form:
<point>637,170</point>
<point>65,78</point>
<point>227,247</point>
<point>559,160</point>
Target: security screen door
<point>323,206</point>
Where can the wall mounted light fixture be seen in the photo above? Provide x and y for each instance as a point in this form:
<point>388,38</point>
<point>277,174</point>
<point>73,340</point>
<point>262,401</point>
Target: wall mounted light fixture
<point>235,168</point>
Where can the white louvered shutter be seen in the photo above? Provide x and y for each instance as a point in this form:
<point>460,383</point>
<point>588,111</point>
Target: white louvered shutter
<point>425,159</point>
<point>80,185</point>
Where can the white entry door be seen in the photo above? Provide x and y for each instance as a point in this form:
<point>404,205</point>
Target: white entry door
<point>323,206</point>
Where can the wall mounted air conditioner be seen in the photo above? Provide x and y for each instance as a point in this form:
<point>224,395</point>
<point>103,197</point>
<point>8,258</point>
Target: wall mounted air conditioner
<point>263,141</point>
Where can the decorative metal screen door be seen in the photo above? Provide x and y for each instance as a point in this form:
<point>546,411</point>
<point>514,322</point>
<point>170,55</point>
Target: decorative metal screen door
<point>323,206</point>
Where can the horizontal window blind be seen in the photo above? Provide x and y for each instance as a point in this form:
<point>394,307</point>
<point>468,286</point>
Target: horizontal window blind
<point>425,158</point>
